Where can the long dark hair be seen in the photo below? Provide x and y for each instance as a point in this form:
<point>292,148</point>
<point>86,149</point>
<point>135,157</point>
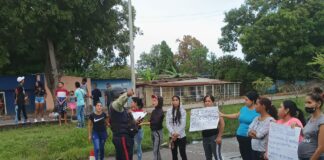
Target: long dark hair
<point>177,117</point>
<point>317,97</point>
<point>40,85</point>
<point>138,102</point>
<point>270,109</point>
<point>294,111</point>
<point>212,98</point>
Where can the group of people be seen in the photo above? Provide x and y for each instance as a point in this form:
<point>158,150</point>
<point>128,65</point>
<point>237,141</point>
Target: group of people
<point>252,134</point>
<point>128,131</point>
<point>257,114</point>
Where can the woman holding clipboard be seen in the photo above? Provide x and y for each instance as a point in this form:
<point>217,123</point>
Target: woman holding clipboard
<point>137,106</point>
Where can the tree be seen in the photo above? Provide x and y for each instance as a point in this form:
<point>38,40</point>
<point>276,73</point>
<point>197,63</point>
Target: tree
<point>231,68</point>
<point>318,61</point>
<point>278,38</point>
<point>148,75</point>
<point>59,36</point>
<point>165,58</point>
<point>149,60</point>
<point>262,85</point>
<point>159,59</point>
<point>192,56</point>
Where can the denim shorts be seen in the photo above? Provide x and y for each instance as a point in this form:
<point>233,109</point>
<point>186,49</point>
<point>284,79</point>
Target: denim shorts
<point>39,100</point>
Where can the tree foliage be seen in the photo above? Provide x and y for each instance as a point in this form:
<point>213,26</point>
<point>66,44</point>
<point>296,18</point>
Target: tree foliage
<point>278,38</point>
<point>318,62</point>
<point>192,56</point>
<point>262,85</point>
<point>158,60</point>
<point>81,31</point>
<point>234,69</point>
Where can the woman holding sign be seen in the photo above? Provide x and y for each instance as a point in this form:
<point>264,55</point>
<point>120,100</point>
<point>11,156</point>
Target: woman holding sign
<point>259,128</point>
<point>212,138</point>
<point>290,115</point>
<point>312,147</point>
<point>176,124</point>
<point>137,106</point>
<point>245,116</point>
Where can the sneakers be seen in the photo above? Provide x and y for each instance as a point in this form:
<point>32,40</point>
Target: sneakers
<point>43,120</point>
<point>35,120</point>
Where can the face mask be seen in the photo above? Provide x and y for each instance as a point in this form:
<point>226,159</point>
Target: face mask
<point>310,110</point>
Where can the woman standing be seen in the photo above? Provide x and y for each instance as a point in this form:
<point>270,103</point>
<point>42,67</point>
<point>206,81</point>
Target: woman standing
<point>176,124</point>
<point>290,115</point>
<point>137,106</point>
<point>97,131</point>
<point>212,138</point>
<point>259,128</point>
<point>312,147</point>
<point>245,116</point>
<point>156,126</point>
<point>40,95</point>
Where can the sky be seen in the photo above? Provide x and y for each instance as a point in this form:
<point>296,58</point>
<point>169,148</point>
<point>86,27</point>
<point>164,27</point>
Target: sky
<point>170,20</point>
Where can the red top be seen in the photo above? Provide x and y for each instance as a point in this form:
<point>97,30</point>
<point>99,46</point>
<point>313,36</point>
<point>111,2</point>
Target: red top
<point>138,110</point>
<point>61,92</point>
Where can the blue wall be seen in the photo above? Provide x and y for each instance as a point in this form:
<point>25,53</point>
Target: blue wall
<point>101,84</point>
<point>8,85</point>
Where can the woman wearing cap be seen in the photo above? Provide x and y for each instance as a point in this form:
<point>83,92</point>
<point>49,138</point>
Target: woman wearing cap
<point>122,124</point>
<point>245,116</point>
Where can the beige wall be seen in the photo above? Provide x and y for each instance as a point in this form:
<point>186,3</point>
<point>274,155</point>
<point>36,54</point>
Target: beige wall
<point>69,84</point>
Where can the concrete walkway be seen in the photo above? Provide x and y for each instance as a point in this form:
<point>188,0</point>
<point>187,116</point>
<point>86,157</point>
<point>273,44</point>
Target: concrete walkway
<point>230,151</point>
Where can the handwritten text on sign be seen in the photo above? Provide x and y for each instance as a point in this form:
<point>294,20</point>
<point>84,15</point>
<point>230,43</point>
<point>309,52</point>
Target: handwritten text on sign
<point>204,118</point>
<point>283,142</point>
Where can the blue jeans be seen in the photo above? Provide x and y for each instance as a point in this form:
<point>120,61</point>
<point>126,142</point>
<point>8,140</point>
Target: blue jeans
<point>80,115</point>
<point>16,111</point>
<point>99,140</point>
<point>138,142</point>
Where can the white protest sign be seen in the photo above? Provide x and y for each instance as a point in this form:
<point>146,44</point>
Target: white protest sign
<point>137,115</point>
<point>283,142</point>
<point>204,118</point>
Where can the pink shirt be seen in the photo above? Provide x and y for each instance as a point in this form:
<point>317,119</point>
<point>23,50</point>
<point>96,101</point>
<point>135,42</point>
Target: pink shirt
<point>290,122</point>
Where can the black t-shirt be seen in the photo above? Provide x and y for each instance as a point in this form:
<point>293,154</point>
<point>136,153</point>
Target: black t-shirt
<point>109,95</point>
<point>96,94</point>
<point>99,122</point>
<point>20,95</point>
<point>209,132</point>
<point>40,92</point>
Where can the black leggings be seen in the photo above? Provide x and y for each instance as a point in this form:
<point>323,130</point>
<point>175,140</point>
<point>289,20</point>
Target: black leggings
<point>21,108</point>
<point>181,143</point>
<point>245,147</point>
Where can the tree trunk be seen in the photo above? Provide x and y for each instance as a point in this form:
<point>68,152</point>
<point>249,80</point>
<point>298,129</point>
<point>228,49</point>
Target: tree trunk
<point>52,60</point>
<point>51,71</point>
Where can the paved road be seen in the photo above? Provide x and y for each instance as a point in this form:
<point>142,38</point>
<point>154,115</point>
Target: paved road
<point>195,151</point>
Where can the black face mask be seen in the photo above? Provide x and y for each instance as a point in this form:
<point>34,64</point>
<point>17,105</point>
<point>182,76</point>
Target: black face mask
<point>310,110</point>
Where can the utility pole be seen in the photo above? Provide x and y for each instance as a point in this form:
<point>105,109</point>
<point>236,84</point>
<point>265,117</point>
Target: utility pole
<point>131,46</point>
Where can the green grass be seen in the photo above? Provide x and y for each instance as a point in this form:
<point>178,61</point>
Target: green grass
<point>70,143</point>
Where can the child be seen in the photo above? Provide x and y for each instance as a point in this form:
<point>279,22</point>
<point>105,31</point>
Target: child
<point>61,96</point>
<point>72,103</point>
